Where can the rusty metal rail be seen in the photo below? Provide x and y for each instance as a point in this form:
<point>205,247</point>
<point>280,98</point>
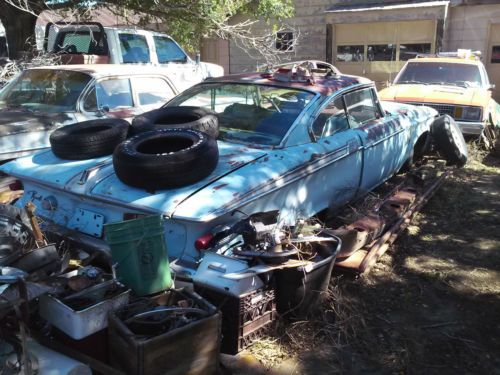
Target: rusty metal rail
<point>363,260</point>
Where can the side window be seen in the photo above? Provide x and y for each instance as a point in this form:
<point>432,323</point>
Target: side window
<point>361,107</point>
<point>168,51</point>
<point>134,48</point>
<point>114,93</point>
<point>90,103</point>
<point>152,90</point>
<point>331,120</point>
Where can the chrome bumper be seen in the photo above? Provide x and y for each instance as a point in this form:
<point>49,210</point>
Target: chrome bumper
<point>470,128</point>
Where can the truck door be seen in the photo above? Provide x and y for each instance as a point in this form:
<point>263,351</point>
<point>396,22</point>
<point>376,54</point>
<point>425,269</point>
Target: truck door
<point>170,54</point>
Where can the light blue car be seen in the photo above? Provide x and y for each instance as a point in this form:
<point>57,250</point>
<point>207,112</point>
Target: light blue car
<point>299,145</point>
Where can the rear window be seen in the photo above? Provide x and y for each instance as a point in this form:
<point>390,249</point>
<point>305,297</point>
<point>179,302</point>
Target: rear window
<point>134,48</point>
<point>85,42</point>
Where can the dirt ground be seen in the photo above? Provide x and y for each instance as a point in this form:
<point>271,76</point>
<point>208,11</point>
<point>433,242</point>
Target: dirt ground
<point>431,304</point>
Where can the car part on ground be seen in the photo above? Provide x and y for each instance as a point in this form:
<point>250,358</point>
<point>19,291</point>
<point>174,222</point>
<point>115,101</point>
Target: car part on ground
<point>44,361</point>
<point>176,332</point>
<point>398,208</point>
<point>185,117</point>
<point>88,139</point>
<point>449,140</point>
<point>167,158</point>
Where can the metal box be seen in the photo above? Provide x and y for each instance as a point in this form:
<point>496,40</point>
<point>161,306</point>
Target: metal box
<point>79,323</point>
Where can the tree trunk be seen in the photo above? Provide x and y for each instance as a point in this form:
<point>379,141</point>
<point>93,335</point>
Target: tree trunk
<point>19,29</point>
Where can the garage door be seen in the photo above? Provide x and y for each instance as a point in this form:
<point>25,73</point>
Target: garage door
<point>493,59</point>
<point>378,50</point>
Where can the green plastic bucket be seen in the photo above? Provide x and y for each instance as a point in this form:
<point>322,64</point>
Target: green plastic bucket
<point>139,254</point>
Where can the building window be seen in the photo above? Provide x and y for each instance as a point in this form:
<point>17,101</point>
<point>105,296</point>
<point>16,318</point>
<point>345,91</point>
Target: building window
<point>381,52</point>
<point>410,51</point>
<point>284,41</point>
<point>495,54</point>
<point>350,53</point>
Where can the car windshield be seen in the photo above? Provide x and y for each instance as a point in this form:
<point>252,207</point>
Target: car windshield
<point>455,74</point>
<point>44,90</point>
<point>248,113</point>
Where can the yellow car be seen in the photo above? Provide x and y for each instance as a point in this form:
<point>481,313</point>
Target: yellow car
<point>454,84</point>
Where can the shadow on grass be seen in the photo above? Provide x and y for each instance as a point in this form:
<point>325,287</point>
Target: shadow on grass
<point>430,305</point>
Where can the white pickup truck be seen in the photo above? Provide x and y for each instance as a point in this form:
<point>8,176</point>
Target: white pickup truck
<point>93,43</point>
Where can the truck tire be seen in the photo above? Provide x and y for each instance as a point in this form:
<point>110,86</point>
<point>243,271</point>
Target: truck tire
<point>165,158</point>
<point>88,139</point>
<point>449,140</point>
<point>186,117</point>
<point>15,234</point>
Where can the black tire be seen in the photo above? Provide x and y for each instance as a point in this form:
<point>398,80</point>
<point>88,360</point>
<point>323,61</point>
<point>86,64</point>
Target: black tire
<point>15,234</point>
<point>165,158</point>
<point>449,140</point>
<point>88,139</point>
<point>187,117</point>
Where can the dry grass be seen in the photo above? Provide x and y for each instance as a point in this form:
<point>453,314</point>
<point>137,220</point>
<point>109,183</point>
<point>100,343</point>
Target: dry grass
<point>430,305</point>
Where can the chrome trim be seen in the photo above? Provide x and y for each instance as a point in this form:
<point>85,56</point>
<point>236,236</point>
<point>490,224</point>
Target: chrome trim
<point>383,139</point>
<point>470,128</point>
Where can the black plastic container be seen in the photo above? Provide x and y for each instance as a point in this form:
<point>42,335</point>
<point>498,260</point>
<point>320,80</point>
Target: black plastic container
<point>299,289</point>
<point>244,318</point>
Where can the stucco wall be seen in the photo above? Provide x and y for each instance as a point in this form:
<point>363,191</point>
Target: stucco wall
<point>468,27</point>
<point>309,21</point>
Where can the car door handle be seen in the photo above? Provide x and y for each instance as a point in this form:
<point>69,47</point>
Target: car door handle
<point>316,156</point>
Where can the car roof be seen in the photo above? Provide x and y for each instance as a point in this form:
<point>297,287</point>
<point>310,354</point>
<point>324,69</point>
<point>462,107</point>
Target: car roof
<point>108,70</point>
<point>323,85</point>
<point>452,60</point>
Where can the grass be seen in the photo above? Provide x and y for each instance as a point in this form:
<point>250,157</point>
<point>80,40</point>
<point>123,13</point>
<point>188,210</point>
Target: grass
<point>430,305</point>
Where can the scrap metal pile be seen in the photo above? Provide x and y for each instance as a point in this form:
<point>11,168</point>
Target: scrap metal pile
<point>58,302</point>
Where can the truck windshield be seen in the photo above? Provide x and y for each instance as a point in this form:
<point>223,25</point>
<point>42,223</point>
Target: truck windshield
<point>44,90</point>
<point>168,51</point>
<point>249,113</point>
<point>441,73</point>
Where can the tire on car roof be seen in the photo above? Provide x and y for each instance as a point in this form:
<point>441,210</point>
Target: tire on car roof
<point>88,139</point>
<point>165,158</point>
<point>449,140</point>
<point>185,117</point>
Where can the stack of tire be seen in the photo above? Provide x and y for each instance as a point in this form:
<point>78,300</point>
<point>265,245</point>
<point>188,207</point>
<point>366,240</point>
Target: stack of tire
<point>165,148</point>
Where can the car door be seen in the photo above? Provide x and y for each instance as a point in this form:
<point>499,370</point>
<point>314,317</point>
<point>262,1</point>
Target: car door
<point>341,154</point>
<point>384,140</point>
